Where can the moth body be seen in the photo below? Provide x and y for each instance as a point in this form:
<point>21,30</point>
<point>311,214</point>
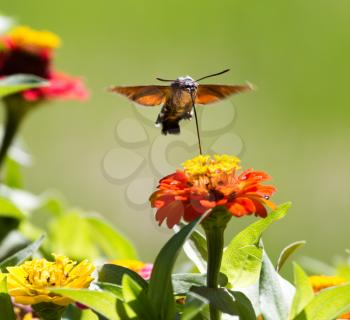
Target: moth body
<point>178,105</point>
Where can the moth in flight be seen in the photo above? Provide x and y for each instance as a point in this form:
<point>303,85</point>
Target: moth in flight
<point>179,98</point>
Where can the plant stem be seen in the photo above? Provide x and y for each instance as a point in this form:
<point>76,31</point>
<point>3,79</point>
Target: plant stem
<point>214,226</point>
<point>215,245</point>
<point>15,110</point>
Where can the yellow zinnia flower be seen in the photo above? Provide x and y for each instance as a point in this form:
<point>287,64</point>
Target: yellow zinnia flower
<point>30,282</point>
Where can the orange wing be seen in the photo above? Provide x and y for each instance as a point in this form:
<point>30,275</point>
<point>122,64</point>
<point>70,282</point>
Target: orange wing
<point>210,93</point>
<point>145,95</point>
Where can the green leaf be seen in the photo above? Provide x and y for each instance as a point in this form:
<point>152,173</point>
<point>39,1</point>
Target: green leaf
<point>102,302</point>
<point>136,300</point>
<point>304,293</point>
<point>287,252</point>
<point>12,174</point>
<point>110,287</point>
<point>64,237</point>
<point>196,250</point>
<point>229,302</point>
<point>160,290</point>
<point>114,274</point>
<point>74,313</point>
<point>328,304</point>
<point>10,217</point>
<point>5,301</point>
<point>182,282</point>
<point>274,303</point>
<point>193,306</point>
<point>23,200</point>
<point>48,310</point>
<point>21,255</point>
<point>111,242</point>
<point>242,258</point>
<point>8,209</point>
<point>20,82</point>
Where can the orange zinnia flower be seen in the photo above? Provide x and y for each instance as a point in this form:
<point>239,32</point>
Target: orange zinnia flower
<point>27,51</point>
<point>207,182</point>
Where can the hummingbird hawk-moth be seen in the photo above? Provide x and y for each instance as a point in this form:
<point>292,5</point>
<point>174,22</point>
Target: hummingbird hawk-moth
<point>179,99</point>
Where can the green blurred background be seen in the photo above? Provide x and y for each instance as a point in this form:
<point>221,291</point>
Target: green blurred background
<point>295,126</point>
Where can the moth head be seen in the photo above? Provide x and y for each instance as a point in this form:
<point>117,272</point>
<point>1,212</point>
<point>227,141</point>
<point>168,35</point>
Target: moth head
<point>185,83</point>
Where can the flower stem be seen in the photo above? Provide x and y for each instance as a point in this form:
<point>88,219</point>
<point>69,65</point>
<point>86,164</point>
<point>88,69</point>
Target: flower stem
<point>214,226</point>
<point>15,110</point>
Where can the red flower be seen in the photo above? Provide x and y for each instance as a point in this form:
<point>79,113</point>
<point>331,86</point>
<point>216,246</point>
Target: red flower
<point>29,51</point>
<point>206,183</point>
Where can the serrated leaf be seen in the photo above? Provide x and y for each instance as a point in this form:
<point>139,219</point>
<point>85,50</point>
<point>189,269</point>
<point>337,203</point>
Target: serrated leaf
<point>274,301</point>
<point>303,294</point>
<point>114,274</point>
<point>102,302</point>
<point>229,302</point>
<point>22,255</point>
<point>20,82</point>
<point>162,296</point>
<point>5,301</point>
<point>113,244</point>
<point>287,252</point>
<point>243,257</point>
<point>328,304</point>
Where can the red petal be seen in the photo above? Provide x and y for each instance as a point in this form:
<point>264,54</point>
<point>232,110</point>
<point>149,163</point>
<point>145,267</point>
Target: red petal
<point>172,212</point>
<point>242,206</point>
<point>191,214</point>
<point>260,209</point>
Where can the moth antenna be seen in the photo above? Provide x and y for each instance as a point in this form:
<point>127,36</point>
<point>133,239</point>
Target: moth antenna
<point>213,75</point>
<point>164,80</point>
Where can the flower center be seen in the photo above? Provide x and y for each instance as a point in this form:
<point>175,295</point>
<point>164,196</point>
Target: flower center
<point>206,172</point>
<point>21,61</point>
<point>29,38</point>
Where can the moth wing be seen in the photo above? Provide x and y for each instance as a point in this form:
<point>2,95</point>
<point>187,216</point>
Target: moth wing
<point>144,95</point>
<point>210,93</point>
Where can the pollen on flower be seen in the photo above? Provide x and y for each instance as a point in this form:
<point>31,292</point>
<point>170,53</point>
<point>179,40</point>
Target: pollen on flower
<point>204,170</point>
<point>320,282</point>
<point>26,37</point>
<point>30,282</point>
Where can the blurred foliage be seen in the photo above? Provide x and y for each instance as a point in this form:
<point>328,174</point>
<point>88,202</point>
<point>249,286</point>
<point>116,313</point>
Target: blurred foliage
<point>295,126</point>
